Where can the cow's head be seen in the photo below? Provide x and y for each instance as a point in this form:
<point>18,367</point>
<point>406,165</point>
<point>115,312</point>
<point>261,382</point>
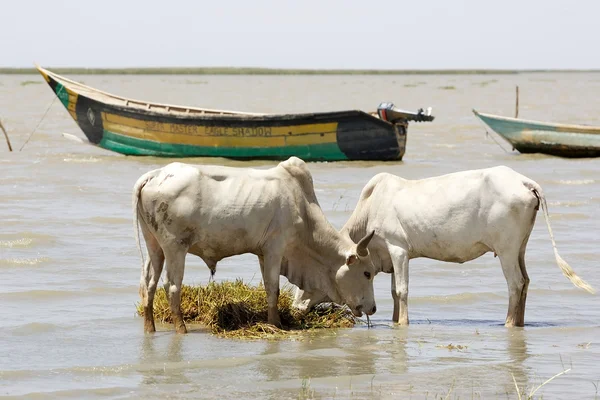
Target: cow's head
<point>353,283</point>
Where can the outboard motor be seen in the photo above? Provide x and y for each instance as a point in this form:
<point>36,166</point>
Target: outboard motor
<point>389,113</point>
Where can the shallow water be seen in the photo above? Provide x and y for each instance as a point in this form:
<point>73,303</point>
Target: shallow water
<point>70,268</point>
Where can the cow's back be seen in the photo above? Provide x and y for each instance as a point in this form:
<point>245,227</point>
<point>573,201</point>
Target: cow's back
<point>217,211</point>
<point>455,217</point>
<point>223,211</point>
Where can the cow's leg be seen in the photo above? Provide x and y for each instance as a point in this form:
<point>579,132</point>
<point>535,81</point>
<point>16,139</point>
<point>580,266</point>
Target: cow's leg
<point>212,266</point>
<point>399,258</point>
<point>150,275</point>
<point>271,269</point>
<point>523,299</point>
<point>517,288</point>
<point>175,267</point>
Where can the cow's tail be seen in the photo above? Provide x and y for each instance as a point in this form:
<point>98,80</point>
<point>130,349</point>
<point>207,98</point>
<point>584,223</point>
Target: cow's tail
<point>137,192</point>
<point>562,264</point>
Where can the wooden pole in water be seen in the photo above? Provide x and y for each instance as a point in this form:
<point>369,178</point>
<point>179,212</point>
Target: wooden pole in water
<point>517,104</point>
<point>6,136</point>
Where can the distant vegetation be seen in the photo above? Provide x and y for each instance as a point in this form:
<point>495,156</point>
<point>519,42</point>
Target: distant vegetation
<point>27,83</point>
<point>272,71</point>
<point>415,84</point>
<point>485,83</point>
<point>447,87</point>
<point>190,82</point>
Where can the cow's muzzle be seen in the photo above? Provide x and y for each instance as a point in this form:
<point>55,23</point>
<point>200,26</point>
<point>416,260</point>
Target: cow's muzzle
<point>359,310</point>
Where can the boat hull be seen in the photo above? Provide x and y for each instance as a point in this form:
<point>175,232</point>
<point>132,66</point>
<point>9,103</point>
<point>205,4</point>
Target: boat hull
<point>571,141</point>
<point>333,136</point>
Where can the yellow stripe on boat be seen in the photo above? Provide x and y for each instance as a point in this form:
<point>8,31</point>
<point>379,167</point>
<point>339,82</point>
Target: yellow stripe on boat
<point>219,136</point>
<point>198,130</point>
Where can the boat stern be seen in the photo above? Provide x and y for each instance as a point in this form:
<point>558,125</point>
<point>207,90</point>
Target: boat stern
<point>400,119</point>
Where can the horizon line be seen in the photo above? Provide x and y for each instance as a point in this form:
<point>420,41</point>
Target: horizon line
<point>285,71</point>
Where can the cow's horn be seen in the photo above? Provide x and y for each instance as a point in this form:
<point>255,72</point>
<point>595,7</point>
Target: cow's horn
<point>361,247</point>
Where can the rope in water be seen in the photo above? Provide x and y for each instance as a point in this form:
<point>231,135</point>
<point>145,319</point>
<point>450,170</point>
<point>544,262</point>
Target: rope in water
<point>6,136</point>
<point>495,141</point>
<point>44,116</point>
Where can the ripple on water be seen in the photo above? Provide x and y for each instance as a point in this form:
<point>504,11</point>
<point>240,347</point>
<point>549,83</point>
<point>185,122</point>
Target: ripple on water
<point>459,298</point>
<point>23,262</point>
<point>82,160</point>
<point>40,295</point>
<point>34,328</point>
<point>110,220</point>
<point>571,203</point>
<point>575,181</point>
<point>25,240</point>
<point>570,216</point>
<point>82,291</point>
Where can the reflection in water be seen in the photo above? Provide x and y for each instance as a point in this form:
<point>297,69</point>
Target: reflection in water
<point>148,357</point>
<point>162,366</point>
<point>396,349</point>
<point>272,368</point>
<point>518,354</point>
<point>309,357</point>
<point>355,353</point>
<point>329,356</point>
<point>174,350</point>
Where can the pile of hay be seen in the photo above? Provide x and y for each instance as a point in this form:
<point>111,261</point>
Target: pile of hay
<point>235,309</point>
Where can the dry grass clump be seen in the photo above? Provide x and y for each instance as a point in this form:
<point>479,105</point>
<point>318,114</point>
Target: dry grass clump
<point>235,309</point>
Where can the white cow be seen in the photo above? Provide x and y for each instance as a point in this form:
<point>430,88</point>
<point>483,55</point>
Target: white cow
<point>456,217</point>
<point>216,212</point>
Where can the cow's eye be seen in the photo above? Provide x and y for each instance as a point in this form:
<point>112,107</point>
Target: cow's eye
<point>368,274</point>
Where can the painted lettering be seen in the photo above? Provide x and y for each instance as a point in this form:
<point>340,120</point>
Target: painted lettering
<point>177,128</point>
<point>153,126</point>
<point>191,129</point>
<point>260,131</point>
<point>217,131</point>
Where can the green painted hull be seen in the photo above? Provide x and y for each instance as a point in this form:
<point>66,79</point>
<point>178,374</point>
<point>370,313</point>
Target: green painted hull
<point>572,141</point>
<point>138,147</point>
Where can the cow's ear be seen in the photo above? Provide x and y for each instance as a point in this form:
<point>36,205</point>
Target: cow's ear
<point>351,259</point>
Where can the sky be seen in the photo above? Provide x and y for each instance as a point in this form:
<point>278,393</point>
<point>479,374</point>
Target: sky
<point>349,34</point>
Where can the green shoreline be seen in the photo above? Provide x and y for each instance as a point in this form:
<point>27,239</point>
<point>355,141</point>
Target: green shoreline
<point>277,71</point>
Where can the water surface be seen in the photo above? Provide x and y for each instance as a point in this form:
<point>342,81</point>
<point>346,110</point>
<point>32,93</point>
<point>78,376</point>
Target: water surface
<point>70,268</point>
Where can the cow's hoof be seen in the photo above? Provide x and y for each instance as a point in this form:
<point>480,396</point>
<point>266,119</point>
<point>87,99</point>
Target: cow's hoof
<point>276,323</point>
<point>181,329</point>
<point>149,327</point>
<point>512,324</point>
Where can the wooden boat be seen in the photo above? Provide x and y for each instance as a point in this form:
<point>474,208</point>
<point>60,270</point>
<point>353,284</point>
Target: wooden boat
<point>545,137</point>
<point>135,127</point>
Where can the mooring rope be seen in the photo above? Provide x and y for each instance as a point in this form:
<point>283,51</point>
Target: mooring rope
<point>6,136</point>
<point>495,141</point>
<point>44,116</point>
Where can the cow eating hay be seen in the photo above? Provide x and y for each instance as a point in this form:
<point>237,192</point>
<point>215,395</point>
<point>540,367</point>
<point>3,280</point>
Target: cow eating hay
<point>216,212</point>
<point>456,217</point>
